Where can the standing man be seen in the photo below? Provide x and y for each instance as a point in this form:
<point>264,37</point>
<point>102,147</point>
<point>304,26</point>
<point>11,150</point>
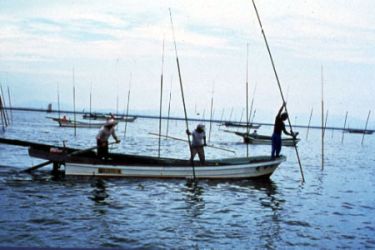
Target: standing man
<point>198,143</point>
<point>278,128</point>
<point>105,132</point>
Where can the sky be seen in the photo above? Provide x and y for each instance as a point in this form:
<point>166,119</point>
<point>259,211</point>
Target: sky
<point>108,48</point>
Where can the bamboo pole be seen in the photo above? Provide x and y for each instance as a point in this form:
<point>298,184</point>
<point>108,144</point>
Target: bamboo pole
<point>2,114</point>
<point>58,101</point>
<point>169,108</point>
<point>343,131</point>
<point>4,107</point>
<point>364,132</point>
<point>322,127</point>
<point>247,97</point>
<point>74,105</point>
<point>127,107</point>
<point>308,125</point>
<point>161,97</point>
<point>179,139</point>
<point>10,106</point>
<point>278,82</point>
<point>182,92</point>
<point>211,114</point>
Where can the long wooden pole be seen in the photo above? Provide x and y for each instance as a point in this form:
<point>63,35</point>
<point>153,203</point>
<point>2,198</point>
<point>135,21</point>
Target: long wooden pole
<point>247,97</point>
<point>343,131</point>
<point>169,107</point>
<point>10,105</point>
<point>211,114</point>
<point>278,82</point>
<point>182,91</point>
<point>322,127</point>
<point>308,125</point>
<point>127,107</point>
<point>161,97</point>
<point>74,105</point>
<point>364,132</point>
<point>179,139</point>
<point>4,106</point>
<point>58,101</point>
<point>2,114</point>
<point>90,109</point>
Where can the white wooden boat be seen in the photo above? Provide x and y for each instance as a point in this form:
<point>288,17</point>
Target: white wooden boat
<point>96,116</point>
<point>67,123</point>
<point>257,139</point>
<point>87,164</point>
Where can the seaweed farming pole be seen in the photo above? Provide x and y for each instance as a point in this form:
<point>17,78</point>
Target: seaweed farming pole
<point>127,106</point>
<point>10,105</point>
<point>90,103</point>
<point>74,105</point>
<point>161,97</point>
<point>2,114</point>
<point>364,132</point>
<point>325,124</point>
<point>343,131</point>
<point>308,125</point>
<point>169,108</point>
<point>211,114</point>
<point>322,127</point>
<point>247,98</point>
<point>4,107</point>
<point>278,82</point>
<point>182,91</point>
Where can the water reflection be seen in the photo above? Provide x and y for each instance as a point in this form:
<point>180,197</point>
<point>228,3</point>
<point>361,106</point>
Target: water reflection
<point>194,199</point>
<point>99,193</point>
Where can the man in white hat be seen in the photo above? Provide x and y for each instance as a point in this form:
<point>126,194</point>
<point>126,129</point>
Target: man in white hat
<point>198,143</point>
<point>105,132</point>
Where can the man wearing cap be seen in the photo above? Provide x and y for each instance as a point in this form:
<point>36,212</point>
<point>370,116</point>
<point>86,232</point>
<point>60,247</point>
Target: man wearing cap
<point>198,143</point>
<point>105,132</point>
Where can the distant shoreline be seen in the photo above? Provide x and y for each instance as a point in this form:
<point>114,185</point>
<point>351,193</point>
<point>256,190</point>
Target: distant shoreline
<point>173,118</point>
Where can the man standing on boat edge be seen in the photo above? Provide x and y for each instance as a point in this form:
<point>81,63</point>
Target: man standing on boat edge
<point>278,128</point>
<point>105,132</point>
<point>198,143</point>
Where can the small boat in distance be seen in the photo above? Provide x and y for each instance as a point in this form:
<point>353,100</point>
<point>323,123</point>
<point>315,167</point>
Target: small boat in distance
<point>358,131</point>
<point>241,125</point>
<point>256,139</point>
<point>67,123</point>
<point>86,163</point>
<point>98,116</point>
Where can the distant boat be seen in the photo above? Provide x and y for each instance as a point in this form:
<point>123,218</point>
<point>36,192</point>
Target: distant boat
<point>81,163</point>
<point>241,124</point>
<point>96,116</point>
<point>358,131</point>
<point>67,123</point>
<point>256,139</point>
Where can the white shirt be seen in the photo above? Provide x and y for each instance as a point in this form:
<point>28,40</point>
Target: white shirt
<point>105,133</point>
<point>198,138</point>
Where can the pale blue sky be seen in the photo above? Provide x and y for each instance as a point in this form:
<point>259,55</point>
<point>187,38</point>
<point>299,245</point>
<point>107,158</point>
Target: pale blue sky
<point>107,41</point>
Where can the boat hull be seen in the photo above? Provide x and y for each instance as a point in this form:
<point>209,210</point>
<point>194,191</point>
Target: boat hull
<point>261,169</point>
<point>139,166</point>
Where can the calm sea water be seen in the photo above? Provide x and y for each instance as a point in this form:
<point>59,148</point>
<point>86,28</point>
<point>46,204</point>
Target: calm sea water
<point>334,208</point>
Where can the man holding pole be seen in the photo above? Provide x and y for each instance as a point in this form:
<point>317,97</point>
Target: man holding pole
<point>279,127</point>
<point>105,132</point>
<point>198,143</point>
